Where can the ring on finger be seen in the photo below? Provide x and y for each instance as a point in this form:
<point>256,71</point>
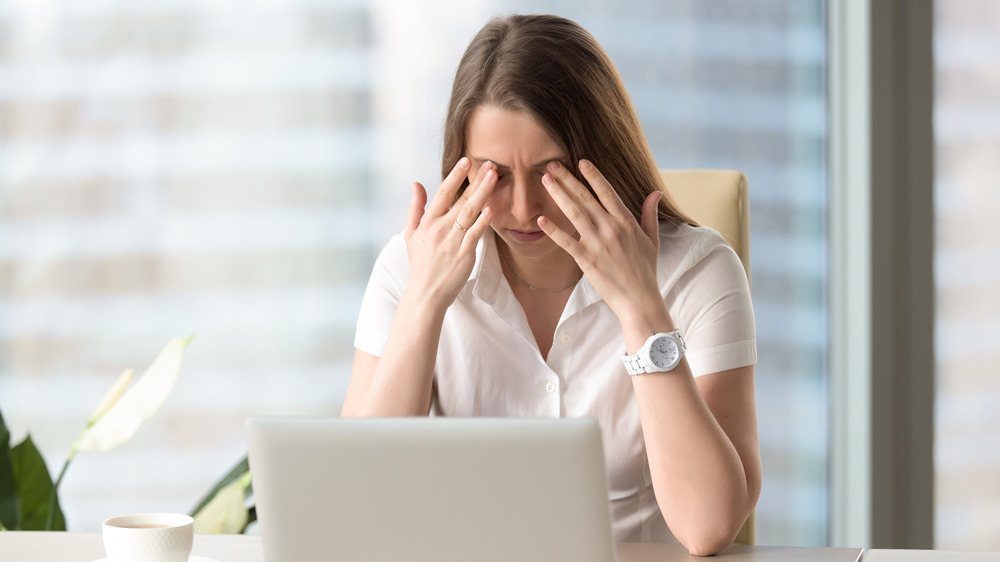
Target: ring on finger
<point>460,227</point>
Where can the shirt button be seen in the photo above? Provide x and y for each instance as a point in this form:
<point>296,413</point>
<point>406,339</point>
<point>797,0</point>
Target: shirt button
<point>550,388</point>
<point>564,338</point>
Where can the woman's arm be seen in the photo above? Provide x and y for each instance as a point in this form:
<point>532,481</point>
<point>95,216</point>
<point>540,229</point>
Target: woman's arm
<point>399,382</point>
<point>441,249</point>
<point>700,437</point>
<point>701,442</point>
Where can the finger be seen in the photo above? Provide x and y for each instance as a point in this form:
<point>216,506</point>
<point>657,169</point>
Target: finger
<point>559,236</point>
<point>416,210</point>
<point>580,193</point>
<point>474,183</point>
<point>570,205</point>
<point>477,229</point>
<point>606,193</point>
<point>449,187</point>
<point>650,217</point>
<point>470,206</point>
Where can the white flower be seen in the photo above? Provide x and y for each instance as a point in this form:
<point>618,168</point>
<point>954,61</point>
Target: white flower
<point>125,407</point>
<point>226,513</point>
<point>111,396</point>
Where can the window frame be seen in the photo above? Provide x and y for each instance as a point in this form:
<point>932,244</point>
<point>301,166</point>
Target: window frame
<point>881,153</point>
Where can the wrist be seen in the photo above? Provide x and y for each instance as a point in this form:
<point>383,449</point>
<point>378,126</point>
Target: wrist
<point>637,325</point>
<point>420,309</point>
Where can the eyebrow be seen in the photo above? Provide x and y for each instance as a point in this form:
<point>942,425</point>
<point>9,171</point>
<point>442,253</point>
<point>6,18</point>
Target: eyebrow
<point>541,164</point>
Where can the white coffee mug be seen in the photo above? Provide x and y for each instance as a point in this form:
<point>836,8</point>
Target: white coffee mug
<point>148,537</point>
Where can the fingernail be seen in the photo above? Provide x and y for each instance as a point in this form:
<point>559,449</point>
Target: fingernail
<point>585,165</point>
<point>553,166</point>
<point>463,163</point>
<point>490,174</point>
<point>547,179</point>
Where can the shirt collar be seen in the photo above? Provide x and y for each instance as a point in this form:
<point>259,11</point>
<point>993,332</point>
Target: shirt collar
<point>487,278</point>
<point>486,275</point>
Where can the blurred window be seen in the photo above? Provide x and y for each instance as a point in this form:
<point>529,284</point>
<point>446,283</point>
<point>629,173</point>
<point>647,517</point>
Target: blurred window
<point>967,274</point>
<point>231,171</point>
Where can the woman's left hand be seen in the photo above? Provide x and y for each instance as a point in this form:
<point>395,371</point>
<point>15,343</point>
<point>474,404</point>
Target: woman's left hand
<point>617,254</point>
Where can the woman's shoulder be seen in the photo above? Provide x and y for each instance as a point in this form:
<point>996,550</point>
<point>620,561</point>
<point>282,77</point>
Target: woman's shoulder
<point>685,248</point>
<point>678,240</point>
<point>392,267</point>
<point>394,251</point>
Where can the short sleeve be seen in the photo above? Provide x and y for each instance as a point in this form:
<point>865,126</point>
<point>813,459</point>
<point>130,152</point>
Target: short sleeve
<point>385,288</point>
<point>716,313</point>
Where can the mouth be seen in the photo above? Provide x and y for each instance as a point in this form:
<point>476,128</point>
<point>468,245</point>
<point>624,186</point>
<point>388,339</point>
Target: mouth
<point>526,236</point>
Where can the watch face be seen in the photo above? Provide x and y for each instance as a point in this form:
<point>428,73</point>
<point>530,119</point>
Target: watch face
<point>663,352</point>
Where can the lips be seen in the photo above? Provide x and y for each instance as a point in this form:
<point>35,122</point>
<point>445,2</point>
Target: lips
<point>526,236</point>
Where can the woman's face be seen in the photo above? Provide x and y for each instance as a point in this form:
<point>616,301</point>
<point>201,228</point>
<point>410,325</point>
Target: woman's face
<point>520,148</point>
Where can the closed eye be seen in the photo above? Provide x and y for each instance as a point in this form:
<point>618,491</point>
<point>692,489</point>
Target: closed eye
<point>537,175</point>
<point>501,176</point>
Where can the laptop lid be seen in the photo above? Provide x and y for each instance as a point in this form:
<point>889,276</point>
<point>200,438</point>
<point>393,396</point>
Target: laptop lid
<point>430,489</point>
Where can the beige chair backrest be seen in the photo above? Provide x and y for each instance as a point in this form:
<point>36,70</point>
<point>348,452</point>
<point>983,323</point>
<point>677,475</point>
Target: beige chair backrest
<point>718,199</point>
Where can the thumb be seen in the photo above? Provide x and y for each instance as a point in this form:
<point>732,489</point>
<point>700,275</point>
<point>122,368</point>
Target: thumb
<point>650,221</point>
<point>416,210</point>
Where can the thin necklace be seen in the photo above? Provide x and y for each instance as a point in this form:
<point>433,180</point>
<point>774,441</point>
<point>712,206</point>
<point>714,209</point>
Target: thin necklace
<point>528,285</point>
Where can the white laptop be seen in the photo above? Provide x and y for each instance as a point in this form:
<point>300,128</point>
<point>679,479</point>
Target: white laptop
<point>430,489</point>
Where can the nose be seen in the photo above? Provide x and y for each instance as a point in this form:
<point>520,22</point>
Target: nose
<point>526,202</point>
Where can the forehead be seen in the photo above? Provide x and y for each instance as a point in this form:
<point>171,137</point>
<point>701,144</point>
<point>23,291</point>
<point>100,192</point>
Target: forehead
<point>509,138</point>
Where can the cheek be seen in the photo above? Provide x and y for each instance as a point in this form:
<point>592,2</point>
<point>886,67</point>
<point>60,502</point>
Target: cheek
<point>497,201</point>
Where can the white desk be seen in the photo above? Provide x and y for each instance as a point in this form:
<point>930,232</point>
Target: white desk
<point>85,547</point>
<point>43,546</point>
<point>650,552</point>
<point>880,555</point>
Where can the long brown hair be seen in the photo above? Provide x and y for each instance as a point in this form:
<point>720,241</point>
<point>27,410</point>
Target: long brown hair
<point>552,69</point>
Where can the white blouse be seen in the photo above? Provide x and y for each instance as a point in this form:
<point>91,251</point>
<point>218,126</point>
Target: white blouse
<point>488,363</point>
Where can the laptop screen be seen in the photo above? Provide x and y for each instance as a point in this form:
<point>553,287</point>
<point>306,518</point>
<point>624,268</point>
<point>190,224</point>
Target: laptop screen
<point>441,489</point>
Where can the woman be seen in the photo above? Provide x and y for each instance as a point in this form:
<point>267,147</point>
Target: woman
<point>545,261</point>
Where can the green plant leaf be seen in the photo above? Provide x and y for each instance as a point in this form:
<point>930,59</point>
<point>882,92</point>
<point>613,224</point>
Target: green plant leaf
<point>241,468</point>
<point>137,403</point>
<point>8,491</point>
<point>251,517</point>
<point>34,488</point>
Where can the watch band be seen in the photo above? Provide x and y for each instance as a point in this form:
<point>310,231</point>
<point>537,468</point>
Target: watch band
<point>634,365</point>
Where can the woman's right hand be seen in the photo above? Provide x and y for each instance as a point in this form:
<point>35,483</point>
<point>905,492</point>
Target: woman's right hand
<point>441,240</point>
